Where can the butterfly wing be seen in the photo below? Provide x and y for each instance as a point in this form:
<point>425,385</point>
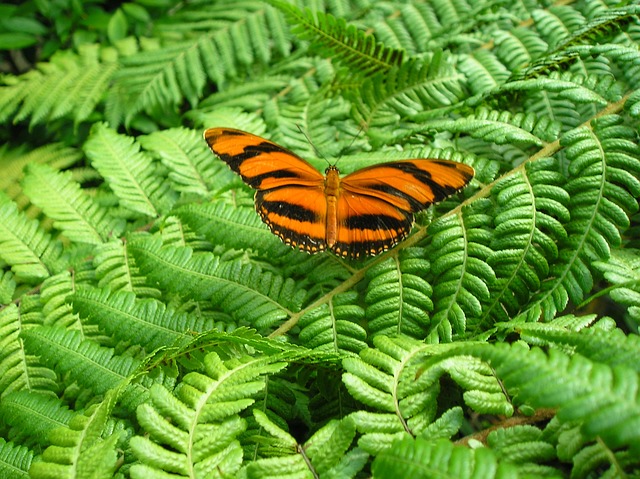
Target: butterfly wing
<point>376,204</point>
<point>290,192</point>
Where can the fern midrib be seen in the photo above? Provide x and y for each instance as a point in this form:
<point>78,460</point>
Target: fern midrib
<point>69,204</point>
<point>577,252</point>
<point>400,295</point>
<point>527,246</point>
<point>116,160</point>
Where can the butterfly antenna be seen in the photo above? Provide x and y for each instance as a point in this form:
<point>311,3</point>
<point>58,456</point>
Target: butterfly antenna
<point>317,152</point>
<point>355,137</point>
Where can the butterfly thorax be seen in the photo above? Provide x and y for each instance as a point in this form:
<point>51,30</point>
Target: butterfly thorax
<point>332,191</point>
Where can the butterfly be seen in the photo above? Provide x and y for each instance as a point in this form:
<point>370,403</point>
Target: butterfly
<point>363,213</point>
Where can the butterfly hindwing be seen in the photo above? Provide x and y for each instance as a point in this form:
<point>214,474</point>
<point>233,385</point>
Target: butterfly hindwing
<point>368,225</point>
<point>296,214</point>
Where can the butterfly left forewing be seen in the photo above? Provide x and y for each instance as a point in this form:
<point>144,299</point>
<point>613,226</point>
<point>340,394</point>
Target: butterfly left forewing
<point>261,163</point>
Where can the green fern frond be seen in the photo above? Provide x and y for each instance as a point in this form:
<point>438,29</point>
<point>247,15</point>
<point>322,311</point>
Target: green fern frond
<point>196,430</point>
<point>177,233</point>
<point>242,289</point>
<point>15,460</point>
<point>622,271</point>
<point>7,287</point>
<point>150,321</point>
<point>384,379</point>
<point>519,47</point>
<point>32,254</point>
<point>501,127</point>
<point>94,367</point>
<point>21,370</point>
<point>70,85</point>
<point>219,43</point>
<point>334,326</point>
<point>601,398</point>
<point>422,459</point>
<point>605,23</point>
<point>575,88</point>
<point>32,415</point>
<point>418,87</point>
<point>192,169</point>
<point>526,447</point>
<point>398,295</point>
<point>325,454</point>
<point>311,114</point>
<point>603,191</point>
<point>484,71</point>
<point>533,206</point>
<point>55,308</point>
<point>604,345</point>
<point>14,162</point>
<point>557,23</point>
<point>459,249</point>
<point>214,220</point>
<point>84,445</point>
<point>410,27</point>
<point>76,214</point>
<point>116,270</point>
<point>334,38</point>
<point>130,173</point>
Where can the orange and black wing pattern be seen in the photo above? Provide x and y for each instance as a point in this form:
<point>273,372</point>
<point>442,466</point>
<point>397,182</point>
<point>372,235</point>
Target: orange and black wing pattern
<point>289,196</point>
<point>364,213</point>
<point>377,204</point>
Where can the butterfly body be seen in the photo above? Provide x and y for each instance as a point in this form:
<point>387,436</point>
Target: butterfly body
<point>363,213</point>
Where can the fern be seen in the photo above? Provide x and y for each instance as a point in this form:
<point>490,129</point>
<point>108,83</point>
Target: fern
<point>407,91</point>
<point>128,172</point>
<point>212,220</point>
<point>398,298</point>
<point>14,460</point>
<point>323,454</point>
<point>69,86</point>
<point>204,417</point>
<point>160,78</point>
<point>385,379</point>
<point>151,325</point>
<point>357,51</point>
<point>335,326</point>
<point>188,161</point>
<point>80,447</point>
<point>421,459</point>
<point>253,297</point>
<point>32,253</point>
<point>73,212</point>
<point>88,363</point>
<point>604,181</point>
<point>20,370</point>
<point>462,276</point>
<point>21,407</point>
<point>120,314</point>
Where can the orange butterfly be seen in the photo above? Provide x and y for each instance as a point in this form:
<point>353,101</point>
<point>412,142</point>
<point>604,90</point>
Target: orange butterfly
<point>364,213</point>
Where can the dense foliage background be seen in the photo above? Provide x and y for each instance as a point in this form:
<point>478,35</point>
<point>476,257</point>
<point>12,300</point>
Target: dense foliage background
<point>152,326</point>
